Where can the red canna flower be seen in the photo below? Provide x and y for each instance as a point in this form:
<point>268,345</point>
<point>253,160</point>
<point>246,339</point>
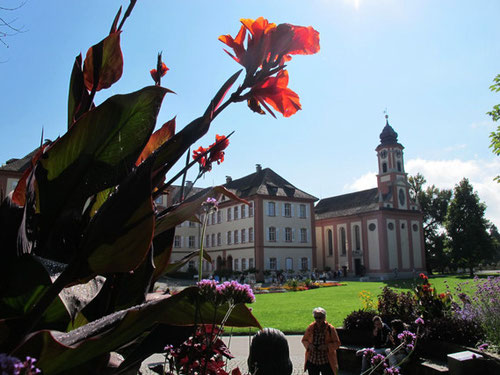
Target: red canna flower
<point>270,43</point>
<point>274,91</point>
<point>215,153</point>
<point>156,75</point>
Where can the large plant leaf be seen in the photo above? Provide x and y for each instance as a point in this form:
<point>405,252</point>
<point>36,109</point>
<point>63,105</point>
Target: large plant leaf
<point>120,234</point>
<point>78,96</point>
<point>175,266</point>
<point>162,250</point>
<point>158,138</point>
<point>97,152</point>
<point>58,352</point>
<point>103,64</point>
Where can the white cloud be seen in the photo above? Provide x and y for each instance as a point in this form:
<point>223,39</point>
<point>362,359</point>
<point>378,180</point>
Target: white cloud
<point>445,174</point>
<point>455,147</point>
<point>482,124</point>
<point>367,181</point>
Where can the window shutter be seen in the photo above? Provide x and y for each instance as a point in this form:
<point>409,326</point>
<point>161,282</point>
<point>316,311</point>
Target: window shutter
<point>268,209</point>
<point>182,241</point>
<point>277,234</point>
<point>268,263</point>
<point>278,263</point>
<point>293,235</point>
<point>291,211</point>
<point>307,235</point>
<point>268,234</point>
<point>282,209</point>
<point>307,211</point>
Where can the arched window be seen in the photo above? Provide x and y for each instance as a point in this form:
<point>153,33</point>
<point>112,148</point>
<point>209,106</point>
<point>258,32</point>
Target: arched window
<point>399,166</point>
<point>343,244</point>
<point>384,167</point>
<point>330,242</point>
<point>357,237</point>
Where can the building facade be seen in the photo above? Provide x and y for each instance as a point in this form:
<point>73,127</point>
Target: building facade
<point>375,232</point>
<point>274,232</point>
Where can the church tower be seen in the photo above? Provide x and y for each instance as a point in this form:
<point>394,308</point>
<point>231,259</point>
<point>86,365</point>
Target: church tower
<point>392,179</point>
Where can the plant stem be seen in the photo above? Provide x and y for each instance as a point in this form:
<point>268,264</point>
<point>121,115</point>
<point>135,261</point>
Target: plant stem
<point>200,271</point>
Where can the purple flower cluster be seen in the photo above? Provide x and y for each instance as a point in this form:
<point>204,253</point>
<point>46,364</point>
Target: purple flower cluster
<point>13,366</point>
<point>391,371</point>
<point>211,204</point>
<point>419,321</point>
<point>482,305</point>
<point>376,359</point>
<point>229,291</point>
<point>369,353</point>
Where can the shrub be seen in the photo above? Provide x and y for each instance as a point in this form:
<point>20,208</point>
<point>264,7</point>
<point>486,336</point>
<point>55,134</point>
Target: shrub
<point>432,305</point>
<point>360,319</point>
<point>455,330</point>
<point>392,305</point>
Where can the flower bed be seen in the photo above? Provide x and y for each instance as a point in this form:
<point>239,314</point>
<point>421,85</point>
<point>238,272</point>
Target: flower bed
<point>292,287</point>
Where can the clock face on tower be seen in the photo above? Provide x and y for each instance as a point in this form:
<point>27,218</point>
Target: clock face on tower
<point>383,154</point>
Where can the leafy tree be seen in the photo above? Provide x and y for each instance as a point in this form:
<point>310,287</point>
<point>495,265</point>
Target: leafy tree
<point>495,115</point>
<point>495,242</point>
<point>468,237</point>
<point>434,205</point>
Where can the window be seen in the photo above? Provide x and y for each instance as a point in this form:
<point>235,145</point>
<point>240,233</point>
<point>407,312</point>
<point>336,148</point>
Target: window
<point>207,240</point>
<point>243,264</point>
<point>287,210</point>
<point>236,264</point>
<point>229,238</point>
<point>390,226</point>
<point>250,210</point>
<point>302,211</point>
<point>159,200</point>
<point>303,235</point>
<point>213,218</point>
<point>272,234</point>
<point>273,264</point>
<point>330,242</point>
<point>415,227</point>
<point>304,264</point>
<point>289,264</point>
<point>402,197</point>
<point>229,214</point>
<point>192,224</point>
<point>384,167</point>
<point>191,241</point>
<point>288,234</point>
<point>219,239</point>
<point>357,237</point>
<point>213,240</point>
<point>235,213</point>
<point>191,264</point>
<point>243,211</point>
<point>343,239</point>
<point>236,240</point>
<point>250,234</point>
<point>372,227</point>
<point>177,241</point>
<point>271,209</point>
<point>399,166</point>
<point>219,217</point>
<point>243,235</point>
<point>250,263</point>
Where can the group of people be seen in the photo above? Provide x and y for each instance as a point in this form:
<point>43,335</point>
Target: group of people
<point>269,353</point>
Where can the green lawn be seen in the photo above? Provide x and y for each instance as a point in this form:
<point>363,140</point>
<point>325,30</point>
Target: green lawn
<point>291,312</point>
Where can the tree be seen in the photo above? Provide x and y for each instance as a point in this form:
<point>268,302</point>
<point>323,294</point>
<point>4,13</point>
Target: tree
<point>495,115</point>
<point>7,25</point>
<point>468,237</point>
<point>434,205</point>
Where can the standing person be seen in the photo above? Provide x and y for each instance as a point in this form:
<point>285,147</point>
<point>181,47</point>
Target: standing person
<point>321,342</point>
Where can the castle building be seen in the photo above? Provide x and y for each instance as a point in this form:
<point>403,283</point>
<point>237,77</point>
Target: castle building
<point>375,232</point>
<point>275,232</point>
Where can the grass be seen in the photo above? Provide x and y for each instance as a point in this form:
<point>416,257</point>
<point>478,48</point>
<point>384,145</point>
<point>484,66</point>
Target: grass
<point>291,312</point>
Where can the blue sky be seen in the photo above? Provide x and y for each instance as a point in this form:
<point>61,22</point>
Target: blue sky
<point>430,63</point>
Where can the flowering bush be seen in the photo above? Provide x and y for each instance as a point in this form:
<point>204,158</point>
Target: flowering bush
<point>432,305</point>
<point>83,222</point>
<point>13,366</point>
<point>367,300</point>
<point>204,352</point>
<point>392,305</point>
<point>481,309</point>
